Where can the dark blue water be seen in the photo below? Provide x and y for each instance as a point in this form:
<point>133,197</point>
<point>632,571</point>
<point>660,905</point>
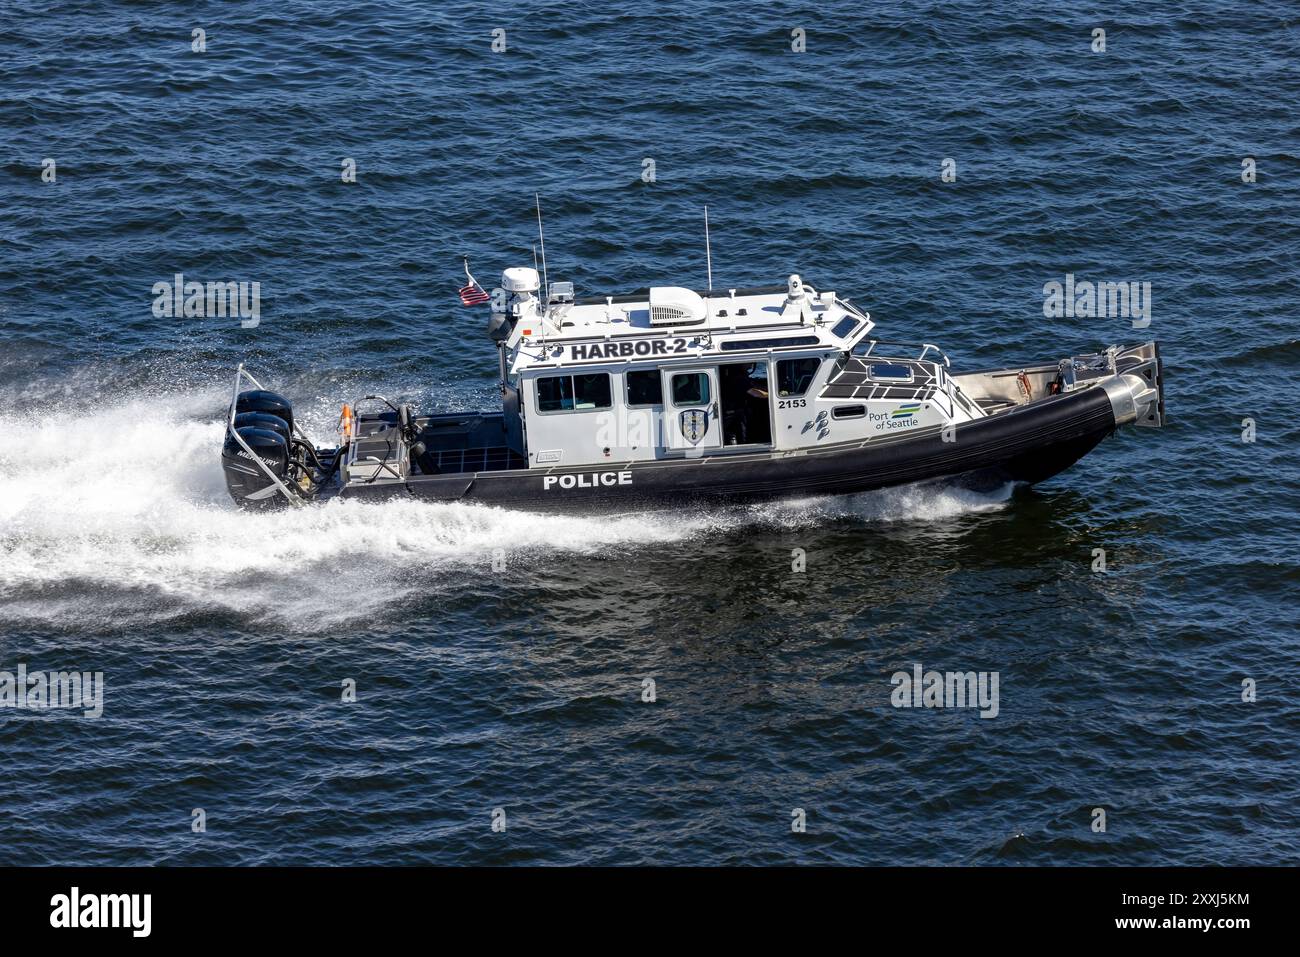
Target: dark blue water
<point>225,638</point>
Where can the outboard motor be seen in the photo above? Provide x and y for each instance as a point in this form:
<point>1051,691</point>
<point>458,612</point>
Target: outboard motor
<point>247,482</point>
<point>268,403</point>
<point>265,420</point>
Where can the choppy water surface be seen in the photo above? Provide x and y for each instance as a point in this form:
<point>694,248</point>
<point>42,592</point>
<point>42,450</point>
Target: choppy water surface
<point>224,638</point>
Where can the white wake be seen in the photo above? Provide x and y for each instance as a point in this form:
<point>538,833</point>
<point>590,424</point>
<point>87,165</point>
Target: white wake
<point>117,515</point>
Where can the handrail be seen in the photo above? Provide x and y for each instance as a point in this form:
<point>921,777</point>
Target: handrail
<point>925,349</point>
<point>942,354</point>
<point>851,308</point>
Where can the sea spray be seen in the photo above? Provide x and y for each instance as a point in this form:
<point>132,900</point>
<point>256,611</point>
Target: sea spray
<point>119,512</point>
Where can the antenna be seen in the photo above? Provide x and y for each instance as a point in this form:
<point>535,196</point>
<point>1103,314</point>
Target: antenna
<point>546,285</point>
<point>708,253</point>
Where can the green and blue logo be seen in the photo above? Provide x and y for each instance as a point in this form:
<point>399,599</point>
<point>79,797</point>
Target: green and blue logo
<point>906,411</point>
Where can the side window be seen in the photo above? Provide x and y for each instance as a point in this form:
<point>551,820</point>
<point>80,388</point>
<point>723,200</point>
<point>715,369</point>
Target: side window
<point>554,394</point>
<point>794,376</point>
<point>591,391</point>
<point>645,387</point>
<point>845,327</point>
<point>691,388</point>
<point>563,393</point>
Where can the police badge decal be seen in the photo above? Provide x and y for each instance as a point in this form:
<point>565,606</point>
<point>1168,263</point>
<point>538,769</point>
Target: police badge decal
<point>694,422</point>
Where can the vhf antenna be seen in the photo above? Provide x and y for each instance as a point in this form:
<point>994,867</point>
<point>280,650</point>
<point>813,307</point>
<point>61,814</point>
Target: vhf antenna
<point>708,254</point>
<point>546,285</point>
<point>708,298</point>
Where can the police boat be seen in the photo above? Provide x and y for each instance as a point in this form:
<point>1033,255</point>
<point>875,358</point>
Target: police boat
<point>671,396</point>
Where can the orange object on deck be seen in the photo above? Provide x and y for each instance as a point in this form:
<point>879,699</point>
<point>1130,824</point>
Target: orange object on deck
<point>346,422</point>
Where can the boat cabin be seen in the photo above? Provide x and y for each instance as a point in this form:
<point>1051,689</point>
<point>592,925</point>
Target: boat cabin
<point>673,372</point>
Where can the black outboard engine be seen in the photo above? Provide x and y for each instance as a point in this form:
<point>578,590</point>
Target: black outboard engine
<point>264,420</point>
<point>247,482</point>
<point>267,403</point>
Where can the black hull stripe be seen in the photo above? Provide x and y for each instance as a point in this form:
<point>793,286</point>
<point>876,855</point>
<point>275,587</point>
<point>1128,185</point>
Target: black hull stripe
<point>1030,444</point>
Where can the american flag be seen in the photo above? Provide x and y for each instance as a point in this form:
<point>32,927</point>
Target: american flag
<point>472,294</point>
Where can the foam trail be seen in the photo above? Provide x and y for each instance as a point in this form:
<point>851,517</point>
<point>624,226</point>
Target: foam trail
<point>118,515</point>
<point>906,503</point>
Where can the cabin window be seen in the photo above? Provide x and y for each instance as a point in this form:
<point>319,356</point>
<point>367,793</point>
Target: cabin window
<point>691,388</point>
<point>568,393</point>
<point>890,372</point>
<point>845,327</point>
<point>794,376</point>
<point>781,342</point>
<point>555,394</point>
<point>591,391</point>
<point>645,387</point>
<point>848,411</point>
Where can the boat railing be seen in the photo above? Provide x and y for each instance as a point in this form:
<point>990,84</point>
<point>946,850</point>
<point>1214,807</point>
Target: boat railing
<point>489,459</point>
<point>935,398</point>
<point>852,309</point>
<point>925,347</point>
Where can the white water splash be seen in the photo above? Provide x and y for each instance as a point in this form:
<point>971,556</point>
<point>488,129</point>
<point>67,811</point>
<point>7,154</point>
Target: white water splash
<point>118,515</point>
<point>906,503</point>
